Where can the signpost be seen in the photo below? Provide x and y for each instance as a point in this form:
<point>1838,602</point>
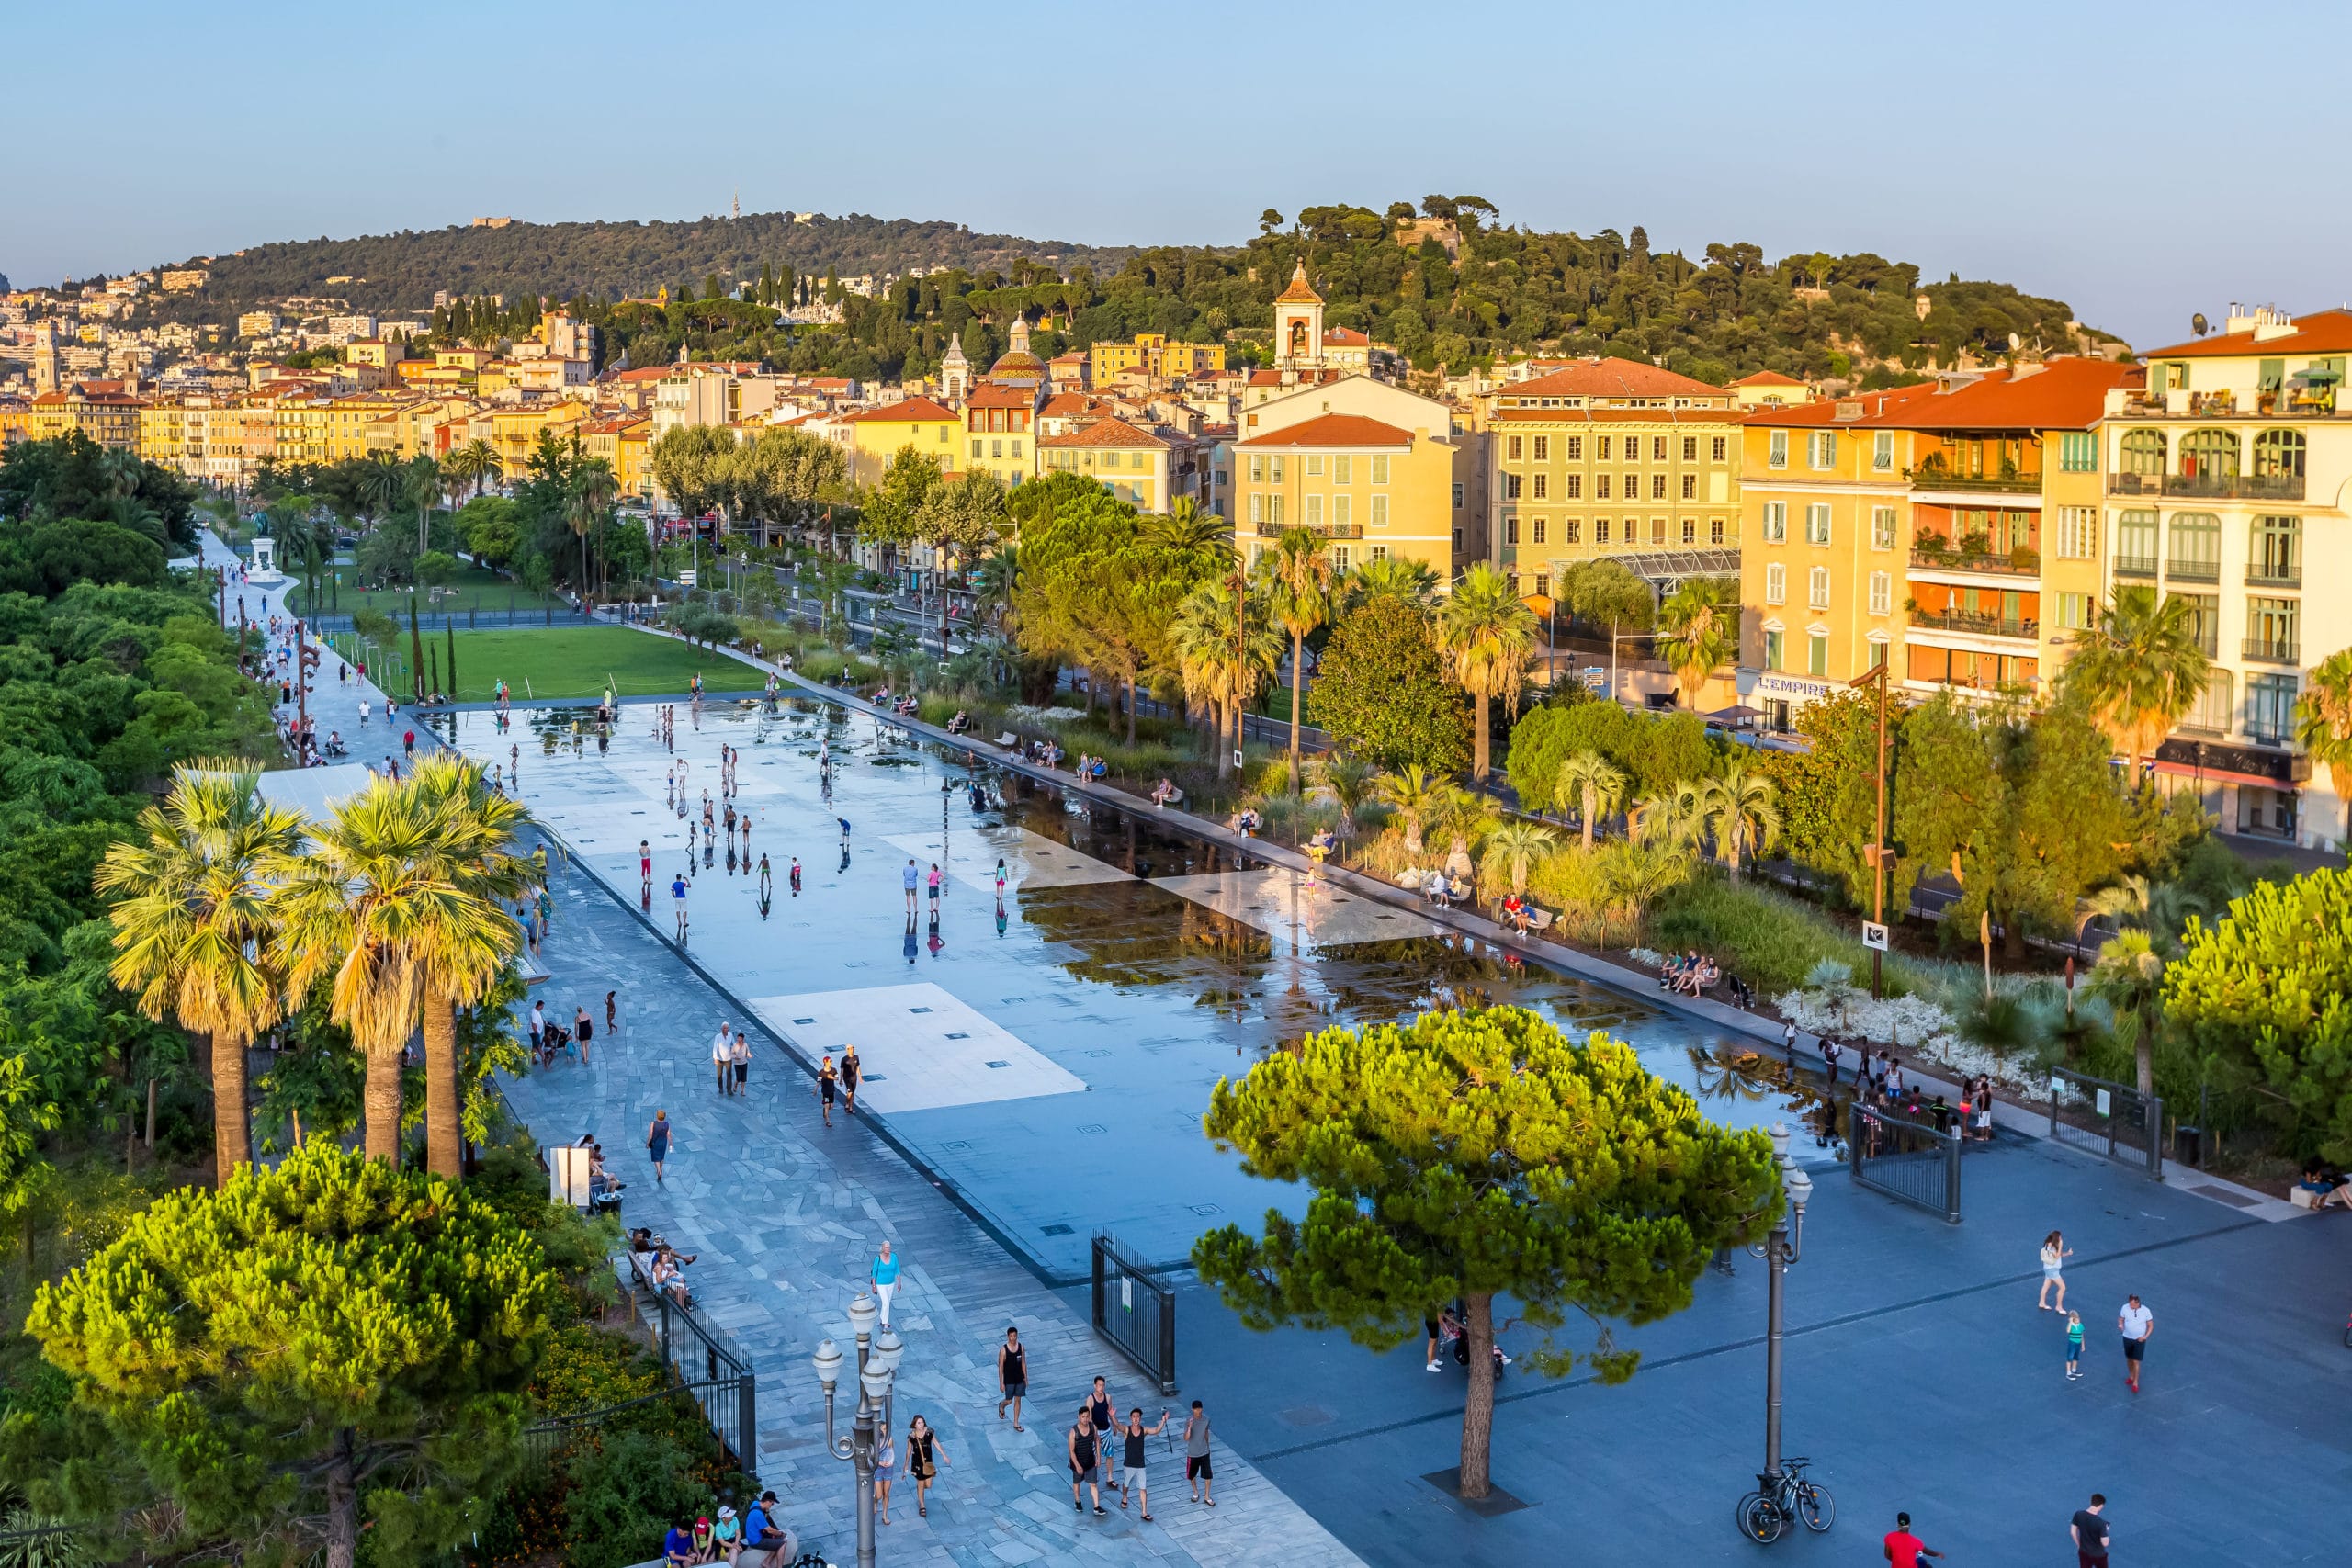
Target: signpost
<point>1874,936</point>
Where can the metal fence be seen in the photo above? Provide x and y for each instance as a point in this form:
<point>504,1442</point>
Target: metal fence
<point>708,1364</point>
<point>1904,1159</point>
<point>434,621</point>
<point>2111,1120</point>
<point>546,1442</point>
<point>1135,1311</point>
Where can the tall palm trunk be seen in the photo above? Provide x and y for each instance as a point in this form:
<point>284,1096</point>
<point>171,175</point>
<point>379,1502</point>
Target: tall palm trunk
<point>231,1130</point>
<point>444,1137</point>
<point>381,1096</point>
<point>1591,803</point>
<point>1298,682</point>
<point>1478,748</point>
<point>1478,1407</point>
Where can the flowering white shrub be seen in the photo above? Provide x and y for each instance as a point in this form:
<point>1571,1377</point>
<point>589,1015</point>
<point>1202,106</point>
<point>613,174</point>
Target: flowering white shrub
<point>1648,957</point>
<point>1052,718</point>
<point>1918,1026</point>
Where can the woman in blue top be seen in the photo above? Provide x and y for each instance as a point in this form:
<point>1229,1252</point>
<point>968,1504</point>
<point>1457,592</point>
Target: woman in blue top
<point>885,1281</point>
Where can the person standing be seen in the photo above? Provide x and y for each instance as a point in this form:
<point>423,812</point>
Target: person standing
<point>1829,1054</point>
<point>2073,1346</point>
<point>538,1026</point>
<point>844,822</point>
<point>1904,1550</point>
<point>828,1083</point>
<point>678,903</point>
<point>2137,1323</point>
<point>1131,1473</point>
<point>1197,1470</point>
<point>2054,1253</point>
<point>1085,1450</point>
<point>585,1029</point>
<point>851,1068</point>
<point>1106,1430</point>
<point>722,1059</point>
<point>885,1470</point>
<point>934,890</point>
<point>925,1456</point>
<point>645,862</point>
<point>2090,1532</point>
<point>740,1055</point>
<point>885,1275</point>
<point>1789,1044</point>
<point>796,876</point>
<point>908,877</point>
<point>408,743</point>
<point>1011,1375</point>
<point>657,1143</point>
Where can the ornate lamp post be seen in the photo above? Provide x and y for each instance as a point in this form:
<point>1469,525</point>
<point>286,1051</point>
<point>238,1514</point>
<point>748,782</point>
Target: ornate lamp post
<point>1784,1247</point>
<point>878,1365</point>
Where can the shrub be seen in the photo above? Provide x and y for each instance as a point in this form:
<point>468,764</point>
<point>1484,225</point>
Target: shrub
<point>1768,938</point>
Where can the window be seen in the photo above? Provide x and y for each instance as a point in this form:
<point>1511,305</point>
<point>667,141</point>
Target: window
<point>1776,522</point>
<point>1774,655</point>
<point>2269,707</point>
<point>1511,483</point>
<point>1314,465</point>
<point>2279,454</point>
<point>1380,552</point>
<point>1343,514</point>
<point>1633,490</point>
<point>1343,471</point>
<point>1256,471</point>
<point>2277,550</point>
<point>1816,654</point>
<point>1882,452</point>
<point>1658,449</point>
<point>1539,537</point>
<point>1600,486</point>
<point>1603,448</point>
<point>1571,530</point>
<point>1690,448</point>
<point>2074,612</point>
<point>976,445</point>
<point>1380,512</point>
<point>1257,507</point>
<point>1340,558</point>
<point>1315,512</point>
<point>1574,486</point>
<point>1690,486</point>
<point>1882,592</point>
<point>1543,585</point>
<point>1717,448</point>
<point>1016,445</point>
<point>1542,448</point>
<point>2211,713</point>
<point>1821,449</point>
<point>1543,487</point>
<point>2078,452</point>
<point>1715,531</point>
<point>996,449</point>
<point>1818,594</point>
<point>1601,530</point>
<point>1380,475</point>
<point>1657,486</point>
<point>1690,530</point>
<point>2193,551</point>
<point>1816,523</point>
<point>2272,628</point>
<point>2143,453</point>
<point>1514,447</point>
<point>1510,530</point>
<point>1279,464</point>
<point>1457,491</point>
<point>2135,543</point>
<point>2204,613</point>
<point>2208,453</point>
<point>1276,506</point>
<point>1776,585</point>
<point>2078,532</point>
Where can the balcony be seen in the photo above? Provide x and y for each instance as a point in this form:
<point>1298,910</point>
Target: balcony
<point>2264,574</point>
<point>2019,562</point>
<point>2209,487</point>
<point>2192,571</point>
<point>2135,566</point>
<point>1929,478</point>
<point>1320,530</point>
<point>2311,401</point>
<point>2271,650</point>
<point>1979,624</point>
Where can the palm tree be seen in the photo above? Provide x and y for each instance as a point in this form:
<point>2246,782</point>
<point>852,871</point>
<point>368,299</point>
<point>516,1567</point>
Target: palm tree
<point>1414,796</point>
<point>1187,527</point>
<point>121,470</point>
<point>2324,726</point>
<point>478,461</point>
<point>1598,785</point>
<point>2138,670</point>
<point>466,938</point>
<point>1391,577</point>
<point>1671,818</point>
<point>1465,817</point>
<point>381,487</point>
<point>1226,648</point>
<point>1633,877</point>
<point>1736,805</point>
<point>1299,590</point>
<point>192,931</point>
<point>355,909</point>
<point>1698,633</point>
<point>1487,633</point>
<point>1513,851</point>
<point>589,491</point>
<point>2130,978</point>
<point>1350,782</point>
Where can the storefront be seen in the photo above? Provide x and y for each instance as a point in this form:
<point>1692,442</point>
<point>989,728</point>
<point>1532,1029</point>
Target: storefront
<point>1781,697</point>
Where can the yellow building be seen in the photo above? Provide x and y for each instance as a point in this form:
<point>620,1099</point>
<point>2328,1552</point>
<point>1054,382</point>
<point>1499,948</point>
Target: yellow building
<point>1770,389</point>
<point>999,431</point>
<point>302,424</point>
<point>1613,458</point>
<point>516,428</point>
<point>624,443</point>
<point>1424,487</point>
<point>163,432</point>
<point>1134,464</point>
<point>1153,355</point>
<point>878,434</point>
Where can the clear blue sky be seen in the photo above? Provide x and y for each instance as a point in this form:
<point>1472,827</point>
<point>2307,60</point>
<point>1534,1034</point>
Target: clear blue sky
<point>2139,161</point>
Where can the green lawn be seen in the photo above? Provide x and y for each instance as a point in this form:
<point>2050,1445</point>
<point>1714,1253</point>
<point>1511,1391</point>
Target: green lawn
<point>474,588</point>
<point>577,661</point>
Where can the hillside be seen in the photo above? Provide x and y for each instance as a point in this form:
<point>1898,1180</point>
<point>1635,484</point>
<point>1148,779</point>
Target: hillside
<point>1461,286</point>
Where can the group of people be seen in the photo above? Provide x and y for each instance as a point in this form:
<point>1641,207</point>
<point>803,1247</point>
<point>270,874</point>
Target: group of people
<point>1444,890</point>
<point>550,1039</point>
<point>756,1537</point>
<point>1099,1448</point>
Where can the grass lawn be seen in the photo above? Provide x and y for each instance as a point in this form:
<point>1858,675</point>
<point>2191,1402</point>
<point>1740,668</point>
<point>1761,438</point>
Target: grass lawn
<point>576,661</point>
<point>474,588</point>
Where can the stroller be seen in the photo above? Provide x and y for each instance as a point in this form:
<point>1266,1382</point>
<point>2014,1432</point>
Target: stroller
<point>555,1040</point>
<point>1451,1338</point>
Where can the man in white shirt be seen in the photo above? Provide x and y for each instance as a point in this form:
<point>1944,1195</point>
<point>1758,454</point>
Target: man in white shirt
<point>722,1059</point>
<point>2137,1324</point>
<point>538,1021</point>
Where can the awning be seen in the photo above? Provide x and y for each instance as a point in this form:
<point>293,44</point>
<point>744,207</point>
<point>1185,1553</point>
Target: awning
<point>1737,714</point>
<point>2222,776</point>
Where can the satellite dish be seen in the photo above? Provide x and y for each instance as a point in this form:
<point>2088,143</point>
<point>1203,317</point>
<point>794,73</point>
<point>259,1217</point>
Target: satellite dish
<point>2198,325</point>
<point>2015,343</point>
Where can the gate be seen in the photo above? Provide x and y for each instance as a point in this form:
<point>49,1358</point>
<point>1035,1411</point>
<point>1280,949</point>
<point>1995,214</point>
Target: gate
<point>1904,1159</point>
<point>709,1366</point>
<point>1135,1311</point>
<point>2111,1120</point>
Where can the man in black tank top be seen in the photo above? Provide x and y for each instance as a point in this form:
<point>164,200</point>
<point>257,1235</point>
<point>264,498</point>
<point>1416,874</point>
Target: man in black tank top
<point>1106,1427</point>
<point>1011,1375</point>
<point>1131,1473</point>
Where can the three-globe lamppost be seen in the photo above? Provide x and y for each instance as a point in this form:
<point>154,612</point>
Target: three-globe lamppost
<point>1765,1513</point>
<point>878,1365</point>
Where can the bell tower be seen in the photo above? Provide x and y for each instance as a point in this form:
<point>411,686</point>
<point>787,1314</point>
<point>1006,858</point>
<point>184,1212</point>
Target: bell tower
<point>1298,326</point>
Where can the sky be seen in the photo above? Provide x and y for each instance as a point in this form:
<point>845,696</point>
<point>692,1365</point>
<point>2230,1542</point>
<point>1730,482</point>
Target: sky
<point>2141,161</point>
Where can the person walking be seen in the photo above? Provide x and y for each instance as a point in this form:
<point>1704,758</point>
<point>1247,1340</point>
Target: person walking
<point>739,1058</point>
<point>925,1456</point>
<point>678,903</point>
<point>851,1068</point>
<point>2054,1253</point>
<point>908,877</point>
<point>1011,1375</point>
<point>722,1059</point>
<point>645,862</point>
<point>657,1143</point>
<point>796,876</point>
<point>844,822</point>
<point>1000,880</point>
<point>2073,1346</point>
<point>1903,1548</point>
<point>767,880</point>
<point>1197,1470</point>
<point>612,1012</point>
<point>1789,1044</point>
<point>885,1470</point>
<point>934,890</point>
<point>1131,1472</point>
<point>1106,1431</point>
<point>408,743</point>
<point>1829,1054</point>
<point>1085,1451</point>
<point>885,1275</point>
<point>2137,1324</point>
<point>828,1083</point>
<point>538,1022</point>
<point>2090,1533</point>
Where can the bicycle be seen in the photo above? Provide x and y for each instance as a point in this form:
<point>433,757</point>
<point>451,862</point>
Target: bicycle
<point>1763,1518</point>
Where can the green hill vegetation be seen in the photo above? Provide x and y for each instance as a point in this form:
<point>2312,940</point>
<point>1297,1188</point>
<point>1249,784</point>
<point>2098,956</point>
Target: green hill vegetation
<point>1497,290</point>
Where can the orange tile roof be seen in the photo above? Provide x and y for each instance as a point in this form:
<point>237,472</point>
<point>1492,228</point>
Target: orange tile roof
<point>1768,378</point>
<point>913,411</point>
<point>1621,416</point>
<point>1887,410</point>
<point>1300,291</point>
<point>1610,378</point>
<point>2065,394</point>
<point>1305,377</point>
<point>989,396</point>
<point>2322,331</point>
<point>1063,405</point>
<point>1336,430</point>
<point>1105,431</point>
<point>1345,337</point>
<point>643,373</point>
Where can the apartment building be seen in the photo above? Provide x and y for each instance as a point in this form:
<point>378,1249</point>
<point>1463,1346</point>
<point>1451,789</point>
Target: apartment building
<point>1379,471</point>
<point>878,435</point>
<point>999,431</point>
<point>1143,466</point>
<point>2227,479</point>
<point>1154,355</point>
<point>1610,457</point>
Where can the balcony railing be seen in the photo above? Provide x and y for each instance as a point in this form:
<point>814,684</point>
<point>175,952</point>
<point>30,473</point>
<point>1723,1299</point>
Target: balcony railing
<point>2261,575</point>
<point>2193,571</point>
<point>2272,650</point>
<point>2016,563</point>
<point>1991,484</point>
<point>1320,530</point>
<point>1971,621</point>
<point>2209,487</point>
<point>2299,403</point>
<point>2135,566</point>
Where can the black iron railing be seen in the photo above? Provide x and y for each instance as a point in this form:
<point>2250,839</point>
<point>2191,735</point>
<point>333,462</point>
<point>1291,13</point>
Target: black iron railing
<point>2112,1119</point>
<point>1135,1311</point>
<point>1904,1159</point>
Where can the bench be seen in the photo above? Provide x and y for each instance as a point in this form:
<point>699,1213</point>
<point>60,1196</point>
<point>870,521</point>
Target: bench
<point>1538,920</point>
<point>1008,740</point>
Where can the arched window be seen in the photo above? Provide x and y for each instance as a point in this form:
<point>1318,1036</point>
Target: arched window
<point>2194,548</point>
<point>2279,454</point>
<point>2143,453</point>
<point>2209,455</point>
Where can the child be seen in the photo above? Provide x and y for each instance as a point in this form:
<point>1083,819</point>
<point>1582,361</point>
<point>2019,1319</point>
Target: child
<point>2073,1346</point>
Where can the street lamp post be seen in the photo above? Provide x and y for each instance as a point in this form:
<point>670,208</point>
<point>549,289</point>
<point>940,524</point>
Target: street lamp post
<point>1784,1247</point>
<point>878,1365</point>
